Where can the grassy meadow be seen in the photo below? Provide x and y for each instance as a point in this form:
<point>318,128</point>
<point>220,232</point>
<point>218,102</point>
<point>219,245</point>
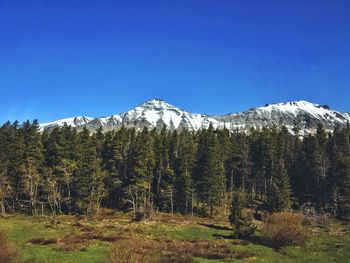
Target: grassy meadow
<point>166,238</point>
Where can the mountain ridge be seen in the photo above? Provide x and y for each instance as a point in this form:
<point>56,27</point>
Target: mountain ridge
<point>155,113</point>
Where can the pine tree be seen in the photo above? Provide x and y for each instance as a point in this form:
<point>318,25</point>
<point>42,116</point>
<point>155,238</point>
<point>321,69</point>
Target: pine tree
<point>225,146</point>
<point>183,167</point>
<point>32,166</point>
<point>241,218</point>
<point>307,173</point>
<point>163,184</point>
<point>338,176</point>
<point>241,162</point>
<point>321,165</point>
<point>142,162</point>
<point>65,171</point>
<point>89,183</point>
<point>112,162</point>
<point>5,187</point>
<point>279,196</point>
<point>343,186</point>
<point>209,169</point>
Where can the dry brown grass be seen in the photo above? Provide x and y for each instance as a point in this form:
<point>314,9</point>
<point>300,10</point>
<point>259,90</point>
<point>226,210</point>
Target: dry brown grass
<point>78,240</point>
<point>123,253</point>
<point>337,230</point>
<point>186,258</point>
<point>136,249</point>
<point>42,241</point>
<point>70,243</point>
<point>83,241</point>
<point>239,242</point>
<point>284,228</point>
<point>7,252</point>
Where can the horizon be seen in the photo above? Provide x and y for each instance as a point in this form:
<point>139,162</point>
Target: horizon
<point>79,58</point>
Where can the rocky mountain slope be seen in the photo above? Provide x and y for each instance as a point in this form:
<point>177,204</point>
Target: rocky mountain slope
<point>156,113</point>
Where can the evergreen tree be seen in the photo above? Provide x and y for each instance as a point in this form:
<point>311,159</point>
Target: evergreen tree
<point>209,169</point>
<point>89,181</point>
<point>31,167</point>
<point>63,171</point>
<point>163,174</point>
<point>183,167</point>
<point>338,176</point>
<point>279,196</point>
<point>241,162</point>
<point>241,218</point>
<point>142,162</point>
<point>5,187</point>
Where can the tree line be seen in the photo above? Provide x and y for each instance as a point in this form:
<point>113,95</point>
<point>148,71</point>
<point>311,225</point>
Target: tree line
<point>78,172</point>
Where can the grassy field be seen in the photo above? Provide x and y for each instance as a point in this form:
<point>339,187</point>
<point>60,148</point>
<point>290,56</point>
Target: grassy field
<point>80,239</point>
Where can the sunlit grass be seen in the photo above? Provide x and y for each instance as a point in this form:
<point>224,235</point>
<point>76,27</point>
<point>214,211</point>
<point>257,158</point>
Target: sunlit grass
<point>330,243</point>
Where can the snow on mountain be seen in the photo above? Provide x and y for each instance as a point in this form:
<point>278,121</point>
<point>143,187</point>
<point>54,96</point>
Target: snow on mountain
<point>74,122</point>
<point>156,113</point>
<point>301,114</point>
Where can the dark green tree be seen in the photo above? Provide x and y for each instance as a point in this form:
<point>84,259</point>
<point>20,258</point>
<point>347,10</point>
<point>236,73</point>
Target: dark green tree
<point>241,218</point>
<point>209,169</point>
<point>279,195</point>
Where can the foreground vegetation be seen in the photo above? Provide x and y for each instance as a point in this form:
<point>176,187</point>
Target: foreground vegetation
<point>166,237</point>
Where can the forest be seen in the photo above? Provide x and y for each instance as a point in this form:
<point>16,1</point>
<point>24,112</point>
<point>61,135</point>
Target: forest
<point>66,171</point>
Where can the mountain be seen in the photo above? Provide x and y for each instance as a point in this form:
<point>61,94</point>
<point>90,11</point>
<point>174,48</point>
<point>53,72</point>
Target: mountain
<point>156,113</point>
<point>301,114</point>
<point>74,122</point>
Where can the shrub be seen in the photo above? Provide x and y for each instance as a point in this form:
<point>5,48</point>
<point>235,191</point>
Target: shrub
<point>312,216</point>
<point>144,214</point>
<point>7,252</point>
<point>283,229</point>
<point>244,226</point>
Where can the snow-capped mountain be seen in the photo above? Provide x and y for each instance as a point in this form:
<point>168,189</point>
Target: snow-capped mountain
<point>156,113</point>
<point>301,114</point>
<point>152,113</point>
<point>74,122</point>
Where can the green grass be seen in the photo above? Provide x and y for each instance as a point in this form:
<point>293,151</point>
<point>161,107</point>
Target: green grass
<point>188,232</point>
<point>330,243</point>
<point>38,253</point>
<point>22,229</point>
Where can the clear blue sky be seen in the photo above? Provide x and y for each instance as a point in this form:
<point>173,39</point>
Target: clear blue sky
<point>79,57</point>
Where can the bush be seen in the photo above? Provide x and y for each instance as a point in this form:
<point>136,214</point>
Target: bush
<point>312,216</point>
<point>7,252</point>
<point>244,226</point>
<point>283,229</point>
<point>144,214</point>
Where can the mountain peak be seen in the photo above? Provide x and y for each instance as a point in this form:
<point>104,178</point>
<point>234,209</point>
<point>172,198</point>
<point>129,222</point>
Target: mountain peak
<point>296,103</point>
<point>154,101</point>
<point>297,108</point>
<point>157,104</point>
<point>304,103</point>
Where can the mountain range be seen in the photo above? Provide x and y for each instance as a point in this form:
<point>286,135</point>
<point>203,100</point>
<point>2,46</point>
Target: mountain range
<point>156,113</point>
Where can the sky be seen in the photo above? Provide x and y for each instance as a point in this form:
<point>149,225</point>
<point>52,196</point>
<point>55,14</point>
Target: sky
<point>69,58</point>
